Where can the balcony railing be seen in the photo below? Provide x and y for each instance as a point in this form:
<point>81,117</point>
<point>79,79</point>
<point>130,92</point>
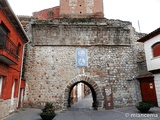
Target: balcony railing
<point>8,45</point>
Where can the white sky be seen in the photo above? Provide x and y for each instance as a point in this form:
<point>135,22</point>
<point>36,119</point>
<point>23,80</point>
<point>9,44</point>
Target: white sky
<point>146,11</point>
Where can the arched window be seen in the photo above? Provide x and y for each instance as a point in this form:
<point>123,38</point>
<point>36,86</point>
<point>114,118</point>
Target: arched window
<point>156,49</point>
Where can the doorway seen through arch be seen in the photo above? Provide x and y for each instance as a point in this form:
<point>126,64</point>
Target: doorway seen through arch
<point>83,95</point>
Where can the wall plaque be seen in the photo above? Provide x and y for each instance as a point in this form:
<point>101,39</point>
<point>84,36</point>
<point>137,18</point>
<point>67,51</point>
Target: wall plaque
<point>81,57</point>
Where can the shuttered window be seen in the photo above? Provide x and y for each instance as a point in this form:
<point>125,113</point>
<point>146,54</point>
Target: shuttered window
<point>156,49</point>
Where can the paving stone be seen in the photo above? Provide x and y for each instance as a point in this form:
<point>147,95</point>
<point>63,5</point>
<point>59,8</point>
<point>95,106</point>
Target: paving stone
<point>86,114</point>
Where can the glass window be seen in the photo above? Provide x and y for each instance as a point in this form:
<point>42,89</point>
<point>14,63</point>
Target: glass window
<point>3,29</point>
<point>156,49</point>
<point>3,33</point>
<point>50,14</point>
<point>18,49</point>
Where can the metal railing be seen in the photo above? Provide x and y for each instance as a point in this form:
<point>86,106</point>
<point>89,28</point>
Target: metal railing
<point>8,45</point>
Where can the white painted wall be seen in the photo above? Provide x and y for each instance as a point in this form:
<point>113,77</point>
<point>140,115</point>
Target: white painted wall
<point>1,78</point>
<point>12,95</point>
<point>157,86</point>
<point>79,91</point>
<point>12,107</point>
<point>153,63</point>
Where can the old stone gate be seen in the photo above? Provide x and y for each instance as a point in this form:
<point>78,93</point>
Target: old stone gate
<point>50,62</point>
<point>97,93</point>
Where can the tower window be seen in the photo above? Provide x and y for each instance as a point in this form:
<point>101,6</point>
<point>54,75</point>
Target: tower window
<point>50,14</point>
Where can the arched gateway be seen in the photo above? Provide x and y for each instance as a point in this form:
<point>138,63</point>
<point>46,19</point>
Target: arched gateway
<point>96,91</point>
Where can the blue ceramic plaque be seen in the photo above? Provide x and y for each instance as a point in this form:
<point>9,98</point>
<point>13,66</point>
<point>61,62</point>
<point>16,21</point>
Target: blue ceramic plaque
<point>81,57</point>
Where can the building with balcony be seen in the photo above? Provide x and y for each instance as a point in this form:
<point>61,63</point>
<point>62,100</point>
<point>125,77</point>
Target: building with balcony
<point>12,41</point>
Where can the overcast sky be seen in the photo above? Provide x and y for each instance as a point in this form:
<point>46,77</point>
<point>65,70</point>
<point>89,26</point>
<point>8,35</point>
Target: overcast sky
<point>144,11</point>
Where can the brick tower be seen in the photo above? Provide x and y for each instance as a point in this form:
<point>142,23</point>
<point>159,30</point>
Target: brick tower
<point>81,8</point>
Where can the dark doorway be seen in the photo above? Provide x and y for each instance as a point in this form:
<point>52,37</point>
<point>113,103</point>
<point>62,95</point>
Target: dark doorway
<point>93,94</point>
<point>21,95</point>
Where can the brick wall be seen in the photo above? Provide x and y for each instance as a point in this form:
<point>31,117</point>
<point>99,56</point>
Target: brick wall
<point>81,8</point>
<point>11,59</point>
<point>73,9</point>
<point>45,14</point>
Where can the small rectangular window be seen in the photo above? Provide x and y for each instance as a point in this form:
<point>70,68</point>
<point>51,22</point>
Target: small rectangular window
<point>18,50</point>
<point>3,29</point>
<point>3,33</point>
<point>16,88</point>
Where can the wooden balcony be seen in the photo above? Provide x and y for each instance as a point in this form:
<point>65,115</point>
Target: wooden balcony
<point>8,50</point>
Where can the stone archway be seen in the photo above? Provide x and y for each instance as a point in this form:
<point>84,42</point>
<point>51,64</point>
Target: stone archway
<point>96,92</point>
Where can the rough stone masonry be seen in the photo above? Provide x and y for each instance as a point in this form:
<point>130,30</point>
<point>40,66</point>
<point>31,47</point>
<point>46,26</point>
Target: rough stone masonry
<point>50,62</point>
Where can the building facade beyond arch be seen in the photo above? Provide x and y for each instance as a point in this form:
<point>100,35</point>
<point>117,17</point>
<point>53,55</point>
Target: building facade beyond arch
<point>88,80</point>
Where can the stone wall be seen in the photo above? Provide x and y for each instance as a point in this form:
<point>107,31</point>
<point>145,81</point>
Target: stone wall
<point>6,107</point>
<point>81,32</point>
<point>50,67</point>
<point>25,20</point>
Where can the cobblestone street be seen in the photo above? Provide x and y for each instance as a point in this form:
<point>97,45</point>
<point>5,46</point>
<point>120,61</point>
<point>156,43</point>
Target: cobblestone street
<point>82,111</point>
<point>127,113</point>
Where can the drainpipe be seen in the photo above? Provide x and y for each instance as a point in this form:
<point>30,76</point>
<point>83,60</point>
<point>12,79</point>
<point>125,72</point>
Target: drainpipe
<point>20,76</point>
<point>22,68</point>
<point>22,62</point>
<point>29,40</point>
<point>22,57</point>
<point>21,71</point>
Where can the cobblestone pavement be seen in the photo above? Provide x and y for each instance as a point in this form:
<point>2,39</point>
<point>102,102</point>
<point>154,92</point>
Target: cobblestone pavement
<point>127,113</point>
<point>83,111</point>
<point>84,103</point>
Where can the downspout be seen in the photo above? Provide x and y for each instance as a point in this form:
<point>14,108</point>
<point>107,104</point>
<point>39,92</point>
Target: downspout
<point>29,40</point>
<point>20,76</point>
<point>21,70</point>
